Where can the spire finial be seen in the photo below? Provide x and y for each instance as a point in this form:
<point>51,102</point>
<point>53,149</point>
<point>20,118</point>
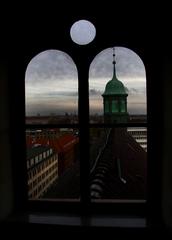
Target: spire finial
<point>114,70</point>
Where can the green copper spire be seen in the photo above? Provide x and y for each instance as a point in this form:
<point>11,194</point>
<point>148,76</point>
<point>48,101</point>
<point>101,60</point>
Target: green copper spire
<point>115,99</point>
<point>114,70</point>
<point>114,86</point>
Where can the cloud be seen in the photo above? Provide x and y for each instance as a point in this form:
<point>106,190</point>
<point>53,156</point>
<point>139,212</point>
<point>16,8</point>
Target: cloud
<point>133,91</point>
<point>62,93</point>
<point>128,64</point>
<point>93,92</point>
<point>51,65</point>
<point>52,80</point>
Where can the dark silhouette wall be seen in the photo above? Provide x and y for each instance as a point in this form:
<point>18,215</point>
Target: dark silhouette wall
<point>32,40</point>
<point>6,183</point>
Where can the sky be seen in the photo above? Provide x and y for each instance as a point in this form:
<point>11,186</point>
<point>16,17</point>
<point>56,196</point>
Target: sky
<point>51,82</point>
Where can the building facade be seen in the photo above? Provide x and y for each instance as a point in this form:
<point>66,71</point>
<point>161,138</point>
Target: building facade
<point>42,168</point>
<point>50,153</point>
<point>140,136</point>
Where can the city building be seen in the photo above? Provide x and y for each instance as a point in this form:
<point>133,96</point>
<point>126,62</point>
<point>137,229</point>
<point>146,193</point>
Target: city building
<point>33,135</point>
<point>62,144</point>
<point>42,168</point>
<point>140,135</point>
<point>52,119</point>
<point>120,168</point>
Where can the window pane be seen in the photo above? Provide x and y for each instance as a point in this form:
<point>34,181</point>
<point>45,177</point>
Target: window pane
<point>51,85</point>
<point>118,76</point>
<point>106,107</point>
<point>114,106</point>
<point>122,106</point>
<point>118,158</point>
<point>56,174</point>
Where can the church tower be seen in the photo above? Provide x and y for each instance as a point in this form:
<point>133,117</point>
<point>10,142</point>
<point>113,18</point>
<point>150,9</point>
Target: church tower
<point>115,99</point>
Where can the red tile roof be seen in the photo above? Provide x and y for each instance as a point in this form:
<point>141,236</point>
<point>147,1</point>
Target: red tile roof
<point>61,144</point>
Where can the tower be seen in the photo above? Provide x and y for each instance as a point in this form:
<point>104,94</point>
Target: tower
<point>115,99</point>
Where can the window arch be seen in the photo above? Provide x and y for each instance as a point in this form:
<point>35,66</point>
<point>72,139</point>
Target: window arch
<point>52,140</point>
<point>118,112</point>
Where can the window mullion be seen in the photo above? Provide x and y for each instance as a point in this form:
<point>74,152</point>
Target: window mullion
<point>84,136</point>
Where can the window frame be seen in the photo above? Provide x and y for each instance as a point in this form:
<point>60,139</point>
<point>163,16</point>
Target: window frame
<point>85,200</point>
<point>18,133</point>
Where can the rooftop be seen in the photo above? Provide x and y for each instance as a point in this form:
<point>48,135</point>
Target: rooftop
<point>36,150</point>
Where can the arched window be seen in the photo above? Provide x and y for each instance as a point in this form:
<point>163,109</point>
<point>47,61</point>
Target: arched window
<point>51,87</point>
<point>118,110</point>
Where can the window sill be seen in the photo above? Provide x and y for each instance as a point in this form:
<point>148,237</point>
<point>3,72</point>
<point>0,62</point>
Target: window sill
<point>81,221</point>
<point>94,221</point>
<point>123,226</point>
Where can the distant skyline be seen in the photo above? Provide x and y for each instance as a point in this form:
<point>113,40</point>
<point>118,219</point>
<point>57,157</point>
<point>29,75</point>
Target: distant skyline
<point>52,82</point>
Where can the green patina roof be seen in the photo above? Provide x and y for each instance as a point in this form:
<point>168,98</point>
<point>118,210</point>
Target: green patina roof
<point>114,86</point>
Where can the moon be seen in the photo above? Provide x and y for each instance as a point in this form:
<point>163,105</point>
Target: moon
<point>82,32</point>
